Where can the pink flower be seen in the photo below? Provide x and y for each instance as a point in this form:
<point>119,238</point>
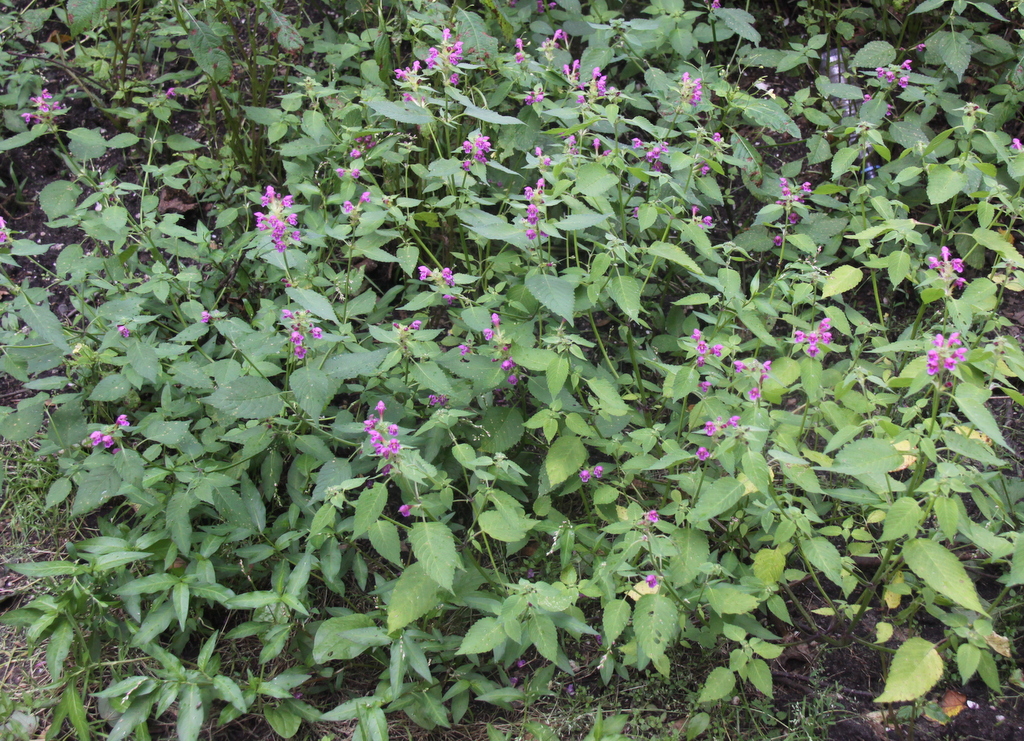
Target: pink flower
<point>754,394</point>
<point>703,453</point>
<point>405,510</point>
<point>316,332</point>
<point>122,421</point>
<point>495,320</point>
<point>513,379</point>
<point>652,516</point>
<point>652,581</point>
<point>205,317</point>
<point>355,154</point>
<point>463,349</point>
<point>585,475</point>
<point>96,438</point>
<point>598,471</point>
<point>1015,144</point>
<point>125,332</point>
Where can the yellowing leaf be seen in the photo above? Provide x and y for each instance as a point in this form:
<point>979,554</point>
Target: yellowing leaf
<point>906,448</point>
<point>973,434</point>
<point>892,600</point>
<point>915,669</point>
<point>953,702</point>
<point>883,632</point>
<point>640,589</point>
<point>999,644</point>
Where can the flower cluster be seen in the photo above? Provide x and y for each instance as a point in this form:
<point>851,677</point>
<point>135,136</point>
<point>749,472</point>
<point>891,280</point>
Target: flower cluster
<point>277,221</point>
<point>822,335</point>
<point>477,148</point>
<point>598,87</point>
<point>945,353</point>
<point>383,437</point>
<point>585,474</point>
<point>299,323</point>
<point>447,57</point>
<point>535,199</point>
<point>652,153</point>
<point>691,88</point>
<point>437,400</point>
<point>789,197</point>
<point>535,96</point>
<point>702,223</point>
<point>5,235</point>
<point>702,348</point>
<point>45,111</point>
<point>889,75</point>
<point>520,56</point>
<point>105,439</point>
<point>713,427</point>
<point>349,208</point>
<point>443,277</point>
<point>949,268</point>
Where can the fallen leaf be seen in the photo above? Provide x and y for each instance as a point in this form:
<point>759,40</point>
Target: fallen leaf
<point>953,702</point>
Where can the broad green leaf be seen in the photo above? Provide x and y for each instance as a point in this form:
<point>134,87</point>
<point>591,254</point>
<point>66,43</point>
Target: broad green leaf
<point>556,294</point>
<point>575,222</point>
<point>369,507</point>
<point>716,499</point>
<point>971,400</point>
<point>383,536</point>
<point>284,722</point>
<point>594,179</point>
<point>760,676</point>
<point>565,458</point>
<point>718,686</point>
<point>967,658</point>
<point>190,712</point>
<point>942,571</point>
<point>482,114</point>
<point>655,623</point>
<point>111,388</point>
<point>944,183</point>
<point>413,596</point>
<point>207,50</point>
<point>434,545</point>
<point>728,600</point>
<point>82,15</point>
<point>674,254</point>
<point>823,556</point>
<point>768,113</point>
<point>954,48</point>
<point>313,302</point>
<point>843,161</point>
<point>739,21</point>
<point>615,620</point>
<point>248,397</point>
<point>693,551</point>
<point>312,389</point>
<point>485,635</point>
<point>611,401</point>
<point>874,54</point>
<point>544,636</point>
<point>95,488</point>
<point>39,569</point>
<point>409,113</point>
<point>867,456</point>
<point>1017,564</point>
<point>769,564</point>
<point>915,669</point>
<point>625,292</point>
<point>902,519</point>
<point>87,144</point>
<point>288,37</point>
<point>343,638</point>
<point>842,279</point>
<point>42,320</point>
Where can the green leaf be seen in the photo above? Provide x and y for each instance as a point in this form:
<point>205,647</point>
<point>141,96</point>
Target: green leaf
<point>625,292</point>
<point>768,113</point>
<point>615,620</point>
<point>87,144</point>
<point>942,571</point>
<point>402,112</point>
<point>482,114</point>
<point>544,636</point>
<point>42,320</point>
<point>739,21</point>
<point>769,565</point>
<point>760,676</point>
<point>284,722</point>
<point>39,569</point>
<point>693,551</point>
<point>1016,576</point>
<point>368,508</point>
<point>967,659</point>
<point>111,388</point>
<point>655,622</point>
<point>21,139</point>
<point>823,556</point>
<point>287,36</point>
<point>971,400</point>
<point>718,685</point>
<point>954,49</point>
<point>674,254</point>
<point>874,54</point>
<point>384,538</point>
<point>842,279</point>
<point>190,712</point>
<point>206,49</point>
<point>594,179</point>
<point>565,458</point>
<point>248,397</point>
<point>434,545</point>
<point>485,635</point>
<point>344,638</point>
<point>867,456</point>
<point>313,302</point>
<point>575,222</point>
<point>716,499</point>
<point>504,426</point>
<point>143,360</point>
<point>915,669</point>
<point>355,364</point>
<point>902,519</point>
<point>413,596</point>
<point>82,15</point>
<point>611,401</point>
<point>312,389</point>
<point>944,183</point>
<point>728,600</point>
<point>95,488</point>
<point>843,161</point>
<point>556,294</point>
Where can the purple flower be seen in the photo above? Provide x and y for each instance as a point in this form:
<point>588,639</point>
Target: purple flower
<point>405,510</point>
<point>425,272</point>
<point>122,421</point>
<point>347,207</point>
<point>205,317</point>
<point>381,408</point>
<point>1015,144</point>
<point>705,386</point>
<point>316,332</point>
<point>652,516</point>
<point>508,364</point>
<point>448,277</point>
<point>513,379</point>
<point>495,320</point>
<point>355,154</point>
<point>286,314</point>
<point>125,332</point>
<point>585,475</point>
<point>734,421</point>
<point>740,367</point>
<point>416,324</point>
<point>598,471</point>
<point>300,351</point>
<point>488,334</point>
<point>777,240</point>
<point>365,197</point>
<point>463,349</point>
<point>754,394</point>
<point>96,438</point>
<point>703,453</point>
<point>652,581</point>
<point>107,441</point>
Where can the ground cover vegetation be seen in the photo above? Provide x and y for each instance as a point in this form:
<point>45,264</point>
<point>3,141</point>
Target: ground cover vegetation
<point>408,364</point>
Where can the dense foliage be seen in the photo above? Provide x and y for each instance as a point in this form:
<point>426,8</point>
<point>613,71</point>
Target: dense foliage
<point>493,332</point>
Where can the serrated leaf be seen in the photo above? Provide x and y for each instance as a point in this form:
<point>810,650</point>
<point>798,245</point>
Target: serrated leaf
<point>287,35</point>
<point>842,279</point>
<point>739,21</point>
<point>674,254</point>
<point>874,54</point>
<point>413,596</point>
<point>485,635</point>
<point>823,556</point>
<point>942,571</point>
<point>693,550</point>
<point>564,459</point>
<point>655,623</point>
<point>312,389</point>
<point>434,545</point>
<point>369,507</point>
<point>944,183</point>
<point>728,600</point>
<point>556,294</point>
<point>615,620</point>
<point>902,520</point>
<point>625,292</point>
<point>248,397</point>
<point>768,113</point>
<point>205,46</point>
<point>344,638</point>
<point>593,179</point>
<point>915,669</point>
<point>402,112</point>
<point>971,400</point>
<point>867,456</point>
<point>954,48</point>
<point>716,499</point>
<point>59,198</point>
<point>718,686</point>
<point>769,565</point>
<point>313,302</point>
<point>383,536</point>
<point>504,427</point>
<point>482,114</point>
<point>43,321</point>
<point>82,15</point>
